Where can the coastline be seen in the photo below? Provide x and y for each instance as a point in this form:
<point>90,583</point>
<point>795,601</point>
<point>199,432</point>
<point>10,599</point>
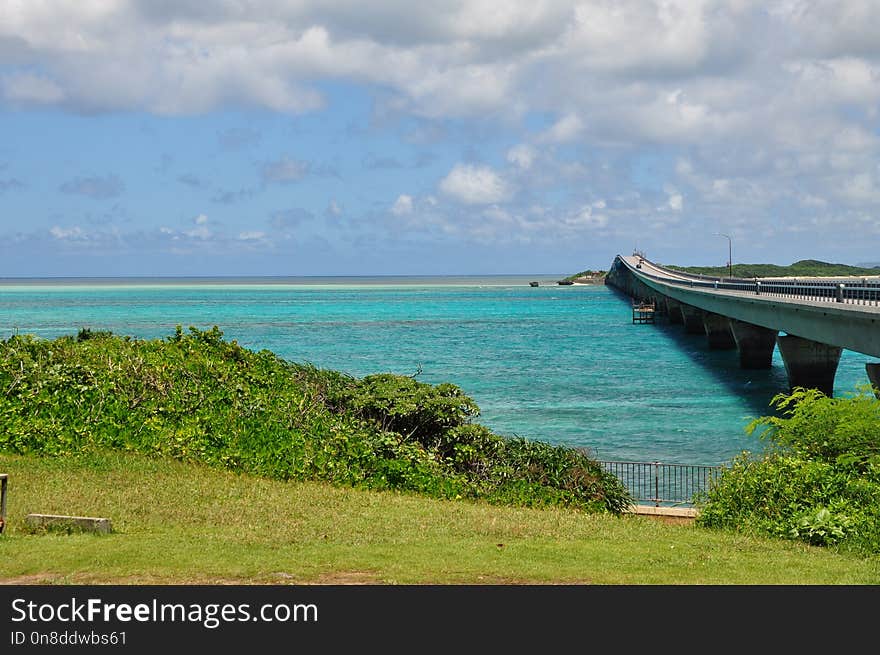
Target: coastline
<point>352,281</point>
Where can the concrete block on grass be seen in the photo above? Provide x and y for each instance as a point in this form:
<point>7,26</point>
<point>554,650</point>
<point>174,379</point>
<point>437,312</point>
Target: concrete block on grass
<point>67,524</point>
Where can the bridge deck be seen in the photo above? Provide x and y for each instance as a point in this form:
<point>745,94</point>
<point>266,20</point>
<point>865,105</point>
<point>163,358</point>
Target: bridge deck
<point>779,303</point>
<point>667,275</point>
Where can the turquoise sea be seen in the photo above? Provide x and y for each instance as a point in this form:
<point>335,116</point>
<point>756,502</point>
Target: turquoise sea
<point>563,364</point>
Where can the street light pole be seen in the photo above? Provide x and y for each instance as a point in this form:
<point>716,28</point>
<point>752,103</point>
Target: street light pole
<point>729,253</point>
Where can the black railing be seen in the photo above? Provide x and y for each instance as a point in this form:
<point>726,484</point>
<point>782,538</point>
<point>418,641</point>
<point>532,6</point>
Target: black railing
<point>664,484</point>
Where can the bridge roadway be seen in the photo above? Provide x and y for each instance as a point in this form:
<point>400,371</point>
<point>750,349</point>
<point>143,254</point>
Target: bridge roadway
<point>818,316</point>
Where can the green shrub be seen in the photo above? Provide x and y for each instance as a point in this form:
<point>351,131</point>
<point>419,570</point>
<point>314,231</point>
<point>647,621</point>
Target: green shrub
<point>818,481</point>
<point>419,411</point>
<point>842,430</point>
<point>197,397</point>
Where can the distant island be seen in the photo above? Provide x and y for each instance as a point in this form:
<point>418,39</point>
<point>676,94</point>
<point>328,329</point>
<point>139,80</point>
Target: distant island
<point>585,277</point>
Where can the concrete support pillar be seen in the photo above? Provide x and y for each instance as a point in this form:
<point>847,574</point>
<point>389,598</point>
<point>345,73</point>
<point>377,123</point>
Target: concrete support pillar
<point>673,311</point>
<point>755,344</point>
<point>809,363</point>
<point>644,293</point>
<point>874,377</point>
<point>718,332</point>
<point>692,319</point>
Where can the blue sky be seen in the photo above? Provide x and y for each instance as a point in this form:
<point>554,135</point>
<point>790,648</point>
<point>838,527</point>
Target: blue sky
<point>238,137</point>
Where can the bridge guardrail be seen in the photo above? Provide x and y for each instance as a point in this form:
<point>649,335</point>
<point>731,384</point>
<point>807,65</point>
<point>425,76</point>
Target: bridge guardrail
<point>857,292</point>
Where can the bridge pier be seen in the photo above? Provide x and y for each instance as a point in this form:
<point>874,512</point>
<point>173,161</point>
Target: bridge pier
<point>718,332</point>
<point>809,363</point>
<point>692,319</point>
<point>873,370</point>
<point>673,311</point>
<point>638,289</point>
<point>755,344</point>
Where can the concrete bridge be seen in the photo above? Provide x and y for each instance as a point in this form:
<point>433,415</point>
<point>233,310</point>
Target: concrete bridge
<point>818,317</point>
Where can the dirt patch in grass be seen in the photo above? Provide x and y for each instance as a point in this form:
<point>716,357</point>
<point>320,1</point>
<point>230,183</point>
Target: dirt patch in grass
<point>348,578</point>
<point>33,578</point>
<point>674,520</point>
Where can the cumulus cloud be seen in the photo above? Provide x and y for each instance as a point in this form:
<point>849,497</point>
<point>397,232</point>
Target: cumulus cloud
<point>74,233</point>
<point>474,185</point>
<point>587,217</point>
<point>29,89</point>
<point>402,206</point>
<point>565,129</point>
<point>201,231</point>
<point>522,156</point>
<point>832,29</point>
<point>768,108</point>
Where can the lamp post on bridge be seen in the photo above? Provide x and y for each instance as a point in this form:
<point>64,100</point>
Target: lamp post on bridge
<point>729,253</point>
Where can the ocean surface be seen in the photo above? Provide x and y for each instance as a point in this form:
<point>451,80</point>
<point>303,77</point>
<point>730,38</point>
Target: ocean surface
<point>563,364</point>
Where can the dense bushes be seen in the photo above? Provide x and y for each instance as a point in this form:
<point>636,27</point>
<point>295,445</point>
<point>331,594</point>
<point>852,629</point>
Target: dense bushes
<point>818,481</point>
<point>195,396</point>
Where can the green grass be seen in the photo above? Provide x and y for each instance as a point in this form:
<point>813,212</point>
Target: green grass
<point>803,268</point>
<point>184,523</point>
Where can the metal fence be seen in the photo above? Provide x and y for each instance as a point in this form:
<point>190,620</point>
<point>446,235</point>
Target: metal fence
<point>663,484</point>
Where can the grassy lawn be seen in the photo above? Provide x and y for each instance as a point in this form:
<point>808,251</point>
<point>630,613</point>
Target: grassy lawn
<point>176,523</point>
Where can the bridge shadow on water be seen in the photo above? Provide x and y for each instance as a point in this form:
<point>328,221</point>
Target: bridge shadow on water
<point>756,387</point>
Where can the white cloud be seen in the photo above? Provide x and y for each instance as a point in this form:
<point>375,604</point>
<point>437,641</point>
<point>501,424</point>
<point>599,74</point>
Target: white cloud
<point>201,232</point>
<point>522,156</point>
<point>28,89</point>
<point>72,233</point>
<point>565,129</point>
<point>402,206</point>
<point>474,185</point>
<point>832,29</point>
<point>861,188</point>
<point>770,110</point>
<point>587,218</point>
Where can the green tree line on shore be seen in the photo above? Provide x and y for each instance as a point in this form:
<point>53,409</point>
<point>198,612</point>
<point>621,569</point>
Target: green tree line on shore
<point>802,268</point>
